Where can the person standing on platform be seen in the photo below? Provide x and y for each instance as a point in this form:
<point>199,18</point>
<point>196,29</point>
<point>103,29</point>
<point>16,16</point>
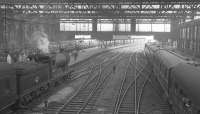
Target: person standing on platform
<point>75,53</point>
<point>9,58</point>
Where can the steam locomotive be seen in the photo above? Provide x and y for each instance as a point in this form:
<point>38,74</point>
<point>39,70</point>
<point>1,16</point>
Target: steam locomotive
<point>179,78</point>
<point>20,83</point>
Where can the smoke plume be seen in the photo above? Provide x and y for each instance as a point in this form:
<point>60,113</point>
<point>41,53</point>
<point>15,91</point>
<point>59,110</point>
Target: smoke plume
<point>40,41</point>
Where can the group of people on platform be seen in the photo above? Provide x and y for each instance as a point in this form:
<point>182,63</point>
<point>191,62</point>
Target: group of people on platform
<point>61,58</point>
<point>20,56</point>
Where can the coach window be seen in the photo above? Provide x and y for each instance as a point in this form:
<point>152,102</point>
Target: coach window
<point>163,69</point>
<point>155,60</point>
<point>160,66</point>
<point>166,74</point>
<point>159,62</point>
<point>176,88</point>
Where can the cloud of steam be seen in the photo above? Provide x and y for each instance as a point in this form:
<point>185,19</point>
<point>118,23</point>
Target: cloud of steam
<point>40,41</point>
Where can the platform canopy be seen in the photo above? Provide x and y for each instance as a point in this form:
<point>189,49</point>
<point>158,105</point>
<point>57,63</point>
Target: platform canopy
<point>139,9</point>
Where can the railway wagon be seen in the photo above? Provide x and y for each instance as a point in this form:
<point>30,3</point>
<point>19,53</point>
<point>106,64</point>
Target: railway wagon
<point>31,78</point>
<point>8,91</point>
<point>20,83</point>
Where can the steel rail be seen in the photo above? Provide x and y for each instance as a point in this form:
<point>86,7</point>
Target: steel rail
<point>121,99</point>
<point>91,89</point>
<point>98,83</point>
<point>121,88</point>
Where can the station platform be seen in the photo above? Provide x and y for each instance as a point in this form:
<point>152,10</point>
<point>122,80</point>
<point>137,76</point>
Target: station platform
<point>188,56</point>
<point>87,53</point>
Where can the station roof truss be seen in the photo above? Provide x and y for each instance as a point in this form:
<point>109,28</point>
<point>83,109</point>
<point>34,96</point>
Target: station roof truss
<point>139,9</point>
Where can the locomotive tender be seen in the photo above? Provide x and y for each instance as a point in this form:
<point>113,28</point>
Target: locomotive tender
<point>179,79</point>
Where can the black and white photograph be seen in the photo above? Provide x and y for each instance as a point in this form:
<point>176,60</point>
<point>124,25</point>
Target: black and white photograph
<point>99,56</point>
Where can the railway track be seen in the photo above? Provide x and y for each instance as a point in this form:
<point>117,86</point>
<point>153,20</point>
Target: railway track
<point>92,64</point>
<point>128,101</point>
<point>124,84</point>
<point>84,68</point>
<point>84,99</point>
<point>95,58</point>
<point>87,70</point>
<point>134,95</point>
<point>161,106</point>
<point>156,104</point>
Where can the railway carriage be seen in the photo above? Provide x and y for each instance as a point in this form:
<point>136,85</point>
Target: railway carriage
<point>162,61</point>
<point>178,78</point>
<point>150,50</point>
<point>184,89</point>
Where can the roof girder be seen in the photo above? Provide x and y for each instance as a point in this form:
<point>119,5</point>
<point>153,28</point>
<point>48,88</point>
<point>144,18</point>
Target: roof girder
<point>103,8</point>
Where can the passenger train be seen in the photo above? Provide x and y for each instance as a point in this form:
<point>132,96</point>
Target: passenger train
<point>179,78</point>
